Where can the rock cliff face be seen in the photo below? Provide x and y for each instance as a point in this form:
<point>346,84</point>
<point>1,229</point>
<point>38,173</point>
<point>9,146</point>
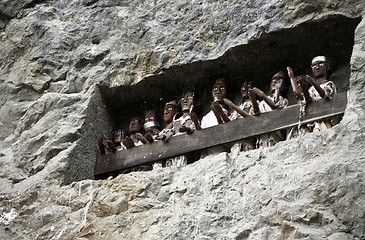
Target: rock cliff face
<point>71,71</point>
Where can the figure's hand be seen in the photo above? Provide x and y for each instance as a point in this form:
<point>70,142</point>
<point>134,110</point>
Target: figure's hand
<point>139,136</point>
<point>302,81</point>
<point>149,137</point>
<point>155,131</point>
<point>195,120</point>
<point>251,93</point>
<point>290,72</point>
<point>258,92</point>
<point>110,146</point>
<point>123,135</point>
<point>310,79</point>
<point>215,105</point>
<point>228,102</point>
<point>161,137</point>
<point>128,142</point>
<point>276,95</point>
<point>100,140</point>
<point>254,90</point>
<point>185,129</point>
<point>194,117</point>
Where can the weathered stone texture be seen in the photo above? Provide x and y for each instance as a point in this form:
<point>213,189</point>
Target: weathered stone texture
<point>59,60</point>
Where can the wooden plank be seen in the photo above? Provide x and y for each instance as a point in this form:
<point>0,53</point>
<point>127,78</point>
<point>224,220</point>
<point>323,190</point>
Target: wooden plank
<point>221,134</point>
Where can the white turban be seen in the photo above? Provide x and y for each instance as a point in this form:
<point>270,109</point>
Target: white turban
<point>319,59</point>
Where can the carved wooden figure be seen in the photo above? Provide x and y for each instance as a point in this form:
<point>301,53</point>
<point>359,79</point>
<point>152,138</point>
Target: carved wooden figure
<point>218,114</point>
<point>111,146</point>
<point>320,87</point>
<point>135,130</point>
<point>170,110</point>
<point>244,110</point>
<point>268,103</point>
<point>151,126</point>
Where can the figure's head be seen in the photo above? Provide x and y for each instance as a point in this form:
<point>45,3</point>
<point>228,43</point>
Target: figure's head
<point>118,136</point>
<point>219,90</point>
<point>169,111</point>
<point>320,67</point>
<point>188,101</point>
<point>150,116</point>
<point>244,89</point>
<point>278,83</point>
<point>150,121</point>
<point>135,125</point>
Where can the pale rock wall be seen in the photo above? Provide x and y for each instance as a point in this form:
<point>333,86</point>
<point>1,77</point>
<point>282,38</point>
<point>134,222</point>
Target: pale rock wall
<point>53,57</point>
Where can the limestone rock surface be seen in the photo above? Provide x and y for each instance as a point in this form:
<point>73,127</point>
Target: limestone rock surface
<point>60,61</point>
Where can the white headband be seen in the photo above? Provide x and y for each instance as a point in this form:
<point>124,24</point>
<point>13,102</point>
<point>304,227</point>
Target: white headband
<point>150,124</point>
<point>319,59</point>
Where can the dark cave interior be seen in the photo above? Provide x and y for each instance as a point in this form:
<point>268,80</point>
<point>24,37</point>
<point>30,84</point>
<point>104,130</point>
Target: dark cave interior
<point>257,61</point>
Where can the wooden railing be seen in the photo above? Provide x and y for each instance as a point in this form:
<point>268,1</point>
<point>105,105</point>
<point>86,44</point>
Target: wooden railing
<point>221,134</point>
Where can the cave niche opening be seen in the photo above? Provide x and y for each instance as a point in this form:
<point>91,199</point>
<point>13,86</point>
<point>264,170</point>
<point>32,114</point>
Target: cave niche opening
<point>256,61</point>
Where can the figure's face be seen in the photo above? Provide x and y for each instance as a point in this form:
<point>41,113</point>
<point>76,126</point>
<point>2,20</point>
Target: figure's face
<point>149,117</point>
<point>187,101</point>
<point>319,69</point>
<point>118,136</point>
<point>244,89</point>
<point>135,126</point>
<point>169,112</point>
<point>219,92</point>
<point>277,83</point>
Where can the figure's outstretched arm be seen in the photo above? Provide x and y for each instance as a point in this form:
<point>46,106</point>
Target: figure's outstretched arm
<point>124,135</point>
<point>253,99</point>
<point>186,129</point>
<point>263,96</point>
<point>101,145</point>
<point>240,111</point>
<point>155,131</point>
<point>195,119</point>
<point>224,116</point>
<point>216,112</point>
<point>166,133</point>
<point>141,138</point>
<point>128,142</point>
<point>294,85</point>
<point>304,87</point>
<point>110,146</point>
<point>317,86</point>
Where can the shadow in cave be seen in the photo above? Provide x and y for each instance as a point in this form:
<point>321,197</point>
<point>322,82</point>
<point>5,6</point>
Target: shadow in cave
<point>257,61</point>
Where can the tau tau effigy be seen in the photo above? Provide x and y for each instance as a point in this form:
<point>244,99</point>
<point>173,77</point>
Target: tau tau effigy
<point>135,137</point>
<point>320,88</point>
<point>111,146</point>
<point>218,113</point>
<point>170,110</point>
<point>151,126</point>
<point>275,101</point>
<point>244,110</point>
